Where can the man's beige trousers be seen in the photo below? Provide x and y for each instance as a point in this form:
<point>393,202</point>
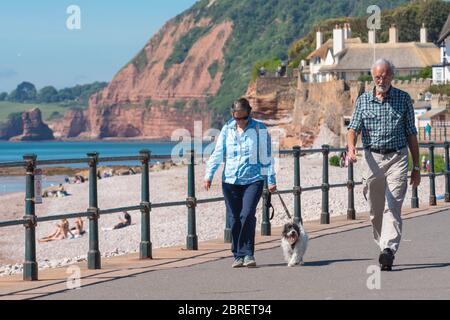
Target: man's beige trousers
<point>386,178</point>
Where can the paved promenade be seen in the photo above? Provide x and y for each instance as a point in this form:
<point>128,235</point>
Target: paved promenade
<point>341,263</point>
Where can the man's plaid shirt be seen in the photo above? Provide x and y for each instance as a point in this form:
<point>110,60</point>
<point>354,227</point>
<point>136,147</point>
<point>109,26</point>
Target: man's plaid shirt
<point>387,124</point>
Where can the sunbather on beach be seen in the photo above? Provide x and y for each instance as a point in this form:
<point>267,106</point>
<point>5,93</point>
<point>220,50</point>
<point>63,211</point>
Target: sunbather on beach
<point>78,229</point>
<point>61,192</point>
<point>78,179</point>
<point>62,231</point>
<point>125,222</point>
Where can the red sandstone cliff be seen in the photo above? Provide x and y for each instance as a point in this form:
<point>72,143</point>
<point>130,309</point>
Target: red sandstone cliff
<point>147,100</point>
<point>71,126</point>
<point>34,129</point>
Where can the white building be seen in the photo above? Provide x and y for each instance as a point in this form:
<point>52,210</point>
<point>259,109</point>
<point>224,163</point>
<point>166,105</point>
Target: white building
<point>347,58</point>
<point>441,70</point>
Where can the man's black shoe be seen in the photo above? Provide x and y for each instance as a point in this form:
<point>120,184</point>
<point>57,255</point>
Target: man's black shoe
<point>386,260</point>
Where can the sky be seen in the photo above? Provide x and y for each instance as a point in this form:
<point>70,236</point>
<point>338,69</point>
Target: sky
<point>36,44</point>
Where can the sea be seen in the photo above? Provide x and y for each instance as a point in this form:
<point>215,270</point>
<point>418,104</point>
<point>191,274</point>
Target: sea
<point>14,151</point>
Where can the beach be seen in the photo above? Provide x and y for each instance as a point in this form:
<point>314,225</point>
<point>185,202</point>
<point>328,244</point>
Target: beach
<point>168,225</point>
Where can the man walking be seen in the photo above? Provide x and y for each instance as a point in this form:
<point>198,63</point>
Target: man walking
<point>385,116</point>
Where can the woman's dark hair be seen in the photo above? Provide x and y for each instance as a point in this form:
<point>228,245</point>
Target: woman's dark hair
<point>241,105</point>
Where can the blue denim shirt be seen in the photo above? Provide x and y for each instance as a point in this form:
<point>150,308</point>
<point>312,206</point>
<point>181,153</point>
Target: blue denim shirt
<point>245,162</point>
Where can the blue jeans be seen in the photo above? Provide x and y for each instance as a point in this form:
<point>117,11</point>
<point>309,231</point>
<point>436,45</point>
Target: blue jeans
<point>241,202</point>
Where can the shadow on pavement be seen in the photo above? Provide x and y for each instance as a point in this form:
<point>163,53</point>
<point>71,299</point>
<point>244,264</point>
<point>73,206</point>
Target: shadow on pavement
<point>328,262</point>
<point>313,263</point>
<point>406,267</point>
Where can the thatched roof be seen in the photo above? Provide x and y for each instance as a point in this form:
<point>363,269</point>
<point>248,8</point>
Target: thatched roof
<point>445,31</point>
<point>409,55</point>
<point>322,51</point>
<point>328,45</point>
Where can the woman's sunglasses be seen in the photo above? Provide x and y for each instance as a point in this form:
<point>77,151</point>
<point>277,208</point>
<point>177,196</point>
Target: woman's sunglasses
<point>243,118</point>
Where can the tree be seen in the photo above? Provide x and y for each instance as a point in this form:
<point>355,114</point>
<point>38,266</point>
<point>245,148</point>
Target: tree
<point>426,73</point>
<point>3,96</point>
<point>66,94</point>
<point>48,94</point>
<point>25,92</point>
<point>434,13</point>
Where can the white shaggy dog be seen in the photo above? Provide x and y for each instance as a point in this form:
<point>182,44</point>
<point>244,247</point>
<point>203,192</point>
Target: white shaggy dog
<point>294,242</point>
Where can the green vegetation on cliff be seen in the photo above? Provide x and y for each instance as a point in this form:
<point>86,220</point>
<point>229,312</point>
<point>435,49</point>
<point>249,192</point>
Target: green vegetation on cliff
<point>262,30</point>
<point>182,47</point>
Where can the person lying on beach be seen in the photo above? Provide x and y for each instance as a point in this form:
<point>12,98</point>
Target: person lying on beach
<point>106,175</point>
<point>79,179</point>
<point>62,231</point>
<point>78,229</point>
<point>125,222</point>
<point>61,192</point>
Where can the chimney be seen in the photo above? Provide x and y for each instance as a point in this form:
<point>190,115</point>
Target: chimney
<point>423,34</point>
<point>347,31</point>
<point>319,39</point>
<point>372,36</point>
<point>393,34</point>
<point>338,40</point>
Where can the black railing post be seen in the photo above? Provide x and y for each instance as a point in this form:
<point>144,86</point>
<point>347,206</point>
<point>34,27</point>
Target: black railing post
<point>145,249</point>
<point>297,187</point>
<point>30,266</point>
<point>445,133</point>
<point>192,239</point>
<point>325,217</point>
<point>447,172</point>
<point>265,224</point>
<point>432,176</point>
<point>94,259</point>
<point>351,212</point>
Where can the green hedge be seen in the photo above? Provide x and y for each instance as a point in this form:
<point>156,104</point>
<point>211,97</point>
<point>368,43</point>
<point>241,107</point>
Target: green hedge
<point>335,161</point>
<point>439,162</point>
<point>440,89</point>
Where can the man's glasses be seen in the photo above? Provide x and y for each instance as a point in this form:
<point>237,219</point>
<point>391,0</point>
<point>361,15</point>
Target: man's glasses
<point>380,78</point>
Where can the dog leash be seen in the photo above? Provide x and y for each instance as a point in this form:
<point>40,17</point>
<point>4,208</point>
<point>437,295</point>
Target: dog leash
<point>286,210</point>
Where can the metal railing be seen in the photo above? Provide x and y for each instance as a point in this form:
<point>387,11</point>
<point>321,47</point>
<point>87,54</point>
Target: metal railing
<point>438,134</point>
<point>30,220</point>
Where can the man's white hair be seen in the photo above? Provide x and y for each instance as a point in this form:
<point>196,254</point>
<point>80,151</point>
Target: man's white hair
<point>384,62</point>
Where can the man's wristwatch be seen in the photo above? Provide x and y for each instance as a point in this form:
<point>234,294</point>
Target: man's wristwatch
<point>416,168</point>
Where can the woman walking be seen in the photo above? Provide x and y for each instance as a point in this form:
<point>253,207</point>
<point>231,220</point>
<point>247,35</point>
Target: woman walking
<point>245,146</point>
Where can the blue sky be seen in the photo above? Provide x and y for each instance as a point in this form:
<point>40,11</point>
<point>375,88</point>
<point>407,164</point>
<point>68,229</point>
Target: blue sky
<point>36,45</point>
